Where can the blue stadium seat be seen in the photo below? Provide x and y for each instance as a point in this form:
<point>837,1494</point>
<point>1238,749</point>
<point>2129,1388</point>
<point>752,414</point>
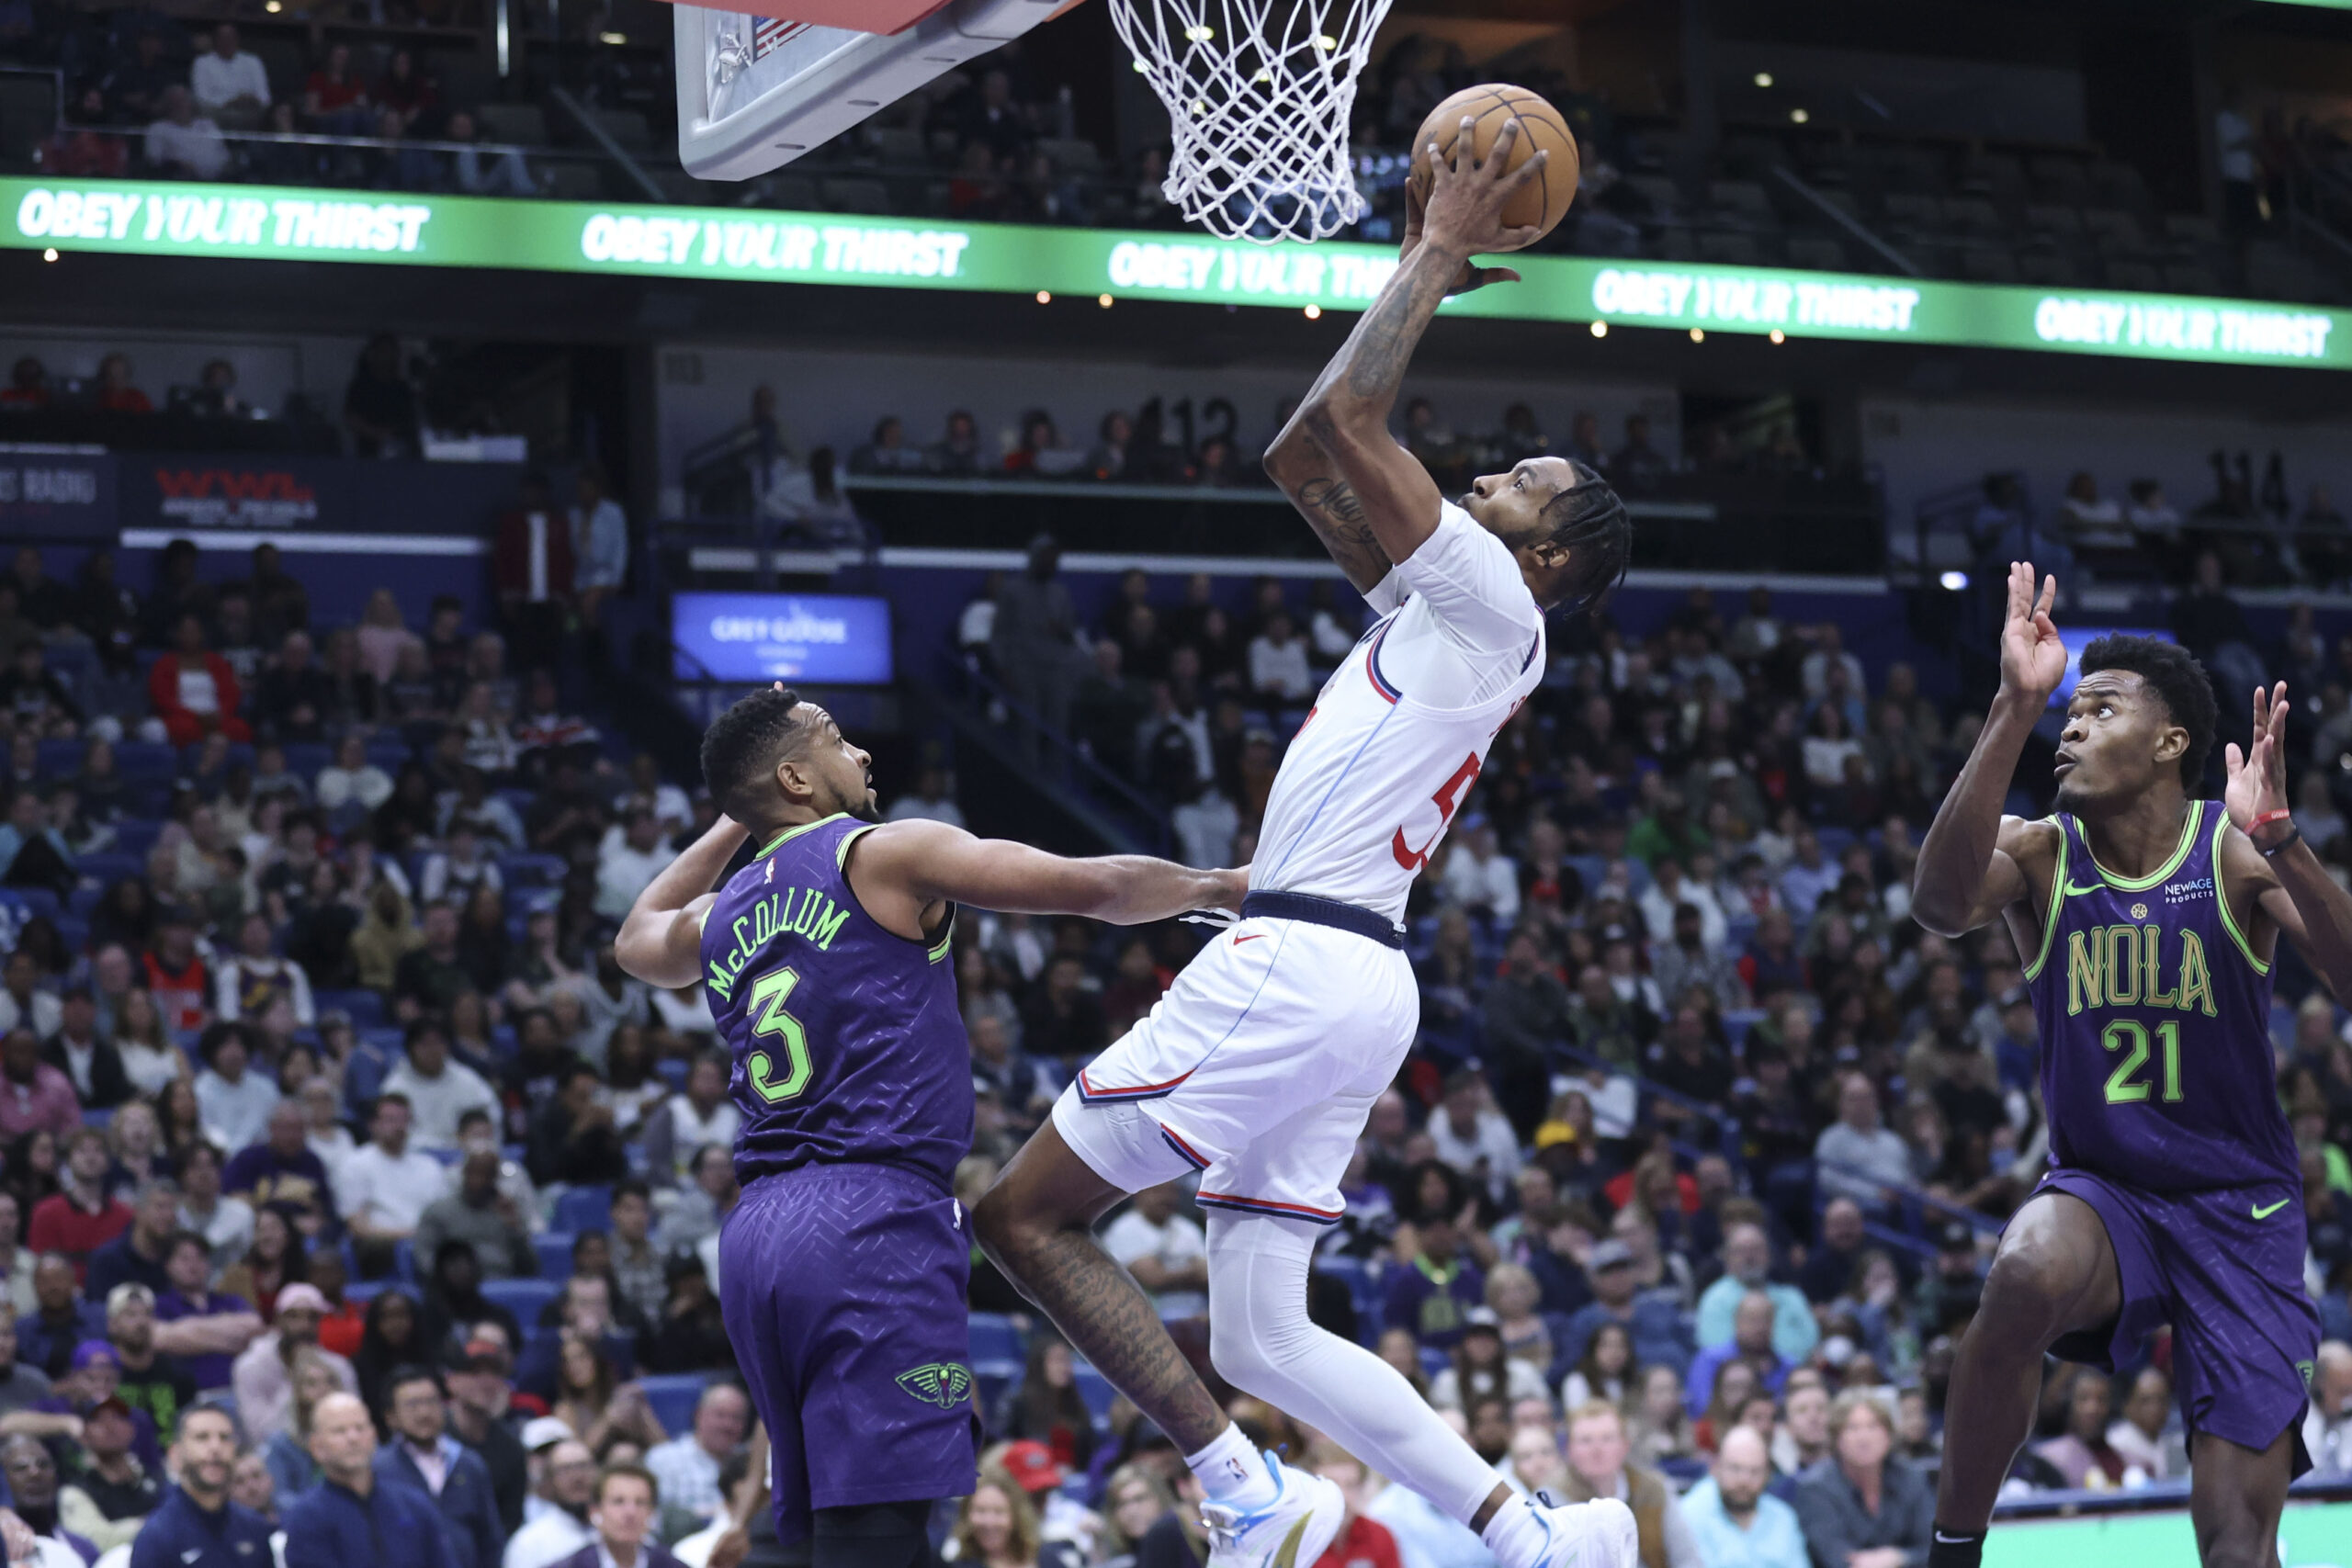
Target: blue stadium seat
<point>145,759</point>
<point>673,1072</point>
<point>531,870</point>
<point>992,1381</point>
<point>58,759</point>
<point>1835,842</point>
<point>134,836</point>
<point>241,754</point>
<point>587,1208</point>
<point>673,1396</point>
<point>27,902</point>
<point>1434,1360</point>
<point>108,868</point>
<point>1095,1389</point>
<point>98,1117</point>
<point>994,1339</point>
<point>525,1298</point>
<point>404,1262</point>
<point>1363,1291</point>
<point>555,1254</point>
<point>366,1008</point>
<point>305,758</point>
<point>365,1291</point>
<point>389,755</point>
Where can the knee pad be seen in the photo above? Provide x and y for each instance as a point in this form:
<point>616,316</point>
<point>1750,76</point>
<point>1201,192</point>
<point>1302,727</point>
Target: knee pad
<point>872,1534</point>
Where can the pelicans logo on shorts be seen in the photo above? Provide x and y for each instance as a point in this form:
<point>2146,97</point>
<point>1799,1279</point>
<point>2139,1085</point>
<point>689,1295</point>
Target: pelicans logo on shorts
<point>944,1383</point>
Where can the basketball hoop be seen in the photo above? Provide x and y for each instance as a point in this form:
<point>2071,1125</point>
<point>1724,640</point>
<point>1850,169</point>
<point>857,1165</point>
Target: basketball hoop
<point>1259,92</point>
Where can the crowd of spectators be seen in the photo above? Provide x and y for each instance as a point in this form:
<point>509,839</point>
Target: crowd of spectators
<point>324,1102</point>
<point>150,96</point>
<point>1686,1190</point>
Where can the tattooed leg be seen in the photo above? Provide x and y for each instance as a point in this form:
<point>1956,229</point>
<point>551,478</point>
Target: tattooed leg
<point>1036,1224</point>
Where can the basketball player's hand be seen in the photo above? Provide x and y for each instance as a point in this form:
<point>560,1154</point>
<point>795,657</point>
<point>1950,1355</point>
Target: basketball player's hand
<point>1468,196</point>
<point>2032,658</point>
<point>2258,782</point>
<point>1471,276</point>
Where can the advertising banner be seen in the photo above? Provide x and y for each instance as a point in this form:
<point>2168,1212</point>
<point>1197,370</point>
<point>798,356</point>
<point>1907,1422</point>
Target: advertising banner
<point>266,223</point>
<point>823,639</point>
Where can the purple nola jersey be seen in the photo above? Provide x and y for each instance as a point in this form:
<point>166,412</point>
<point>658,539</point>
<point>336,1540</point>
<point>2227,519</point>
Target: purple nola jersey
<point>2155,1018</point>
<point>847,1044</point>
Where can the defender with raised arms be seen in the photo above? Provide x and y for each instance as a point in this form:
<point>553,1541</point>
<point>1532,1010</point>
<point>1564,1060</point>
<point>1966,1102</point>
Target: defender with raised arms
<point>2148,919</point>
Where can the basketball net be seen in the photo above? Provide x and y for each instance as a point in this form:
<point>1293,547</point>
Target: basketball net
<point>1259,95</point>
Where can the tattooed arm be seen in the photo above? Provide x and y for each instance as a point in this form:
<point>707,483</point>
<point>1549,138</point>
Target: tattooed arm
<point>1370,500</point>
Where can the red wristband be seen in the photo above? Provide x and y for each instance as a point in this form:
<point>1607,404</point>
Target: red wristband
<point>2266,817</point>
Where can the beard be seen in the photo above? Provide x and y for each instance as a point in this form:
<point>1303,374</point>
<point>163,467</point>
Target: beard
<point>864,808</point>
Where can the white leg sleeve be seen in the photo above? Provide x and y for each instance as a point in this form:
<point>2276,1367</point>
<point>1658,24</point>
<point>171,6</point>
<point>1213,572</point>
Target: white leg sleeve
<point>1262,1342</point>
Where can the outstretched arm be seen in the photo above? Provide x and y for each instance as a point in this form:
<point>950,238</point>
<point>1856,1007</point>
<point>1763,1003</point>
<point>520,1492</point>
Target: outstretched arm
<point>923,864</point>
<point>1368,500</point>
<point>904,870</point>
<point>1968,870</point>
<point>661,942</point>
<point>2293,891</point>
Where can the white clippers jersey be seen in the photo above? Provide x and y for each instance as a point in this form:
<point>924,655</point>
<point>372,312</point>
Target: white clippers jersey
<point>1399,732</point>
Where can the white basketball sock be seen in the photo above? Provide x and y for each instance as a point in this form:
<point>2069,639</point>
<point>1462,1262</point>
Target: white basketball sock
<point>1262,1342</point>
<point>1517,1534</point>
<point>1233,1472</point>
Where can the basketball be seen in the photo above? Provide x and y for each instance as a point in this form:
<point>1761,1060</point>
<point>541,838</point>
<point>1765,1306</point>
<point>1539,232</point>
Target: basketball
<point>1544,200</point>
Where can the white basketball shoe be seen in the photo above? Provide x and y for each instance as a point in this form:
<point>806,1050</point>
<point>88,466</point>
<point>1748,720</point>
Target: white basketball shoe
<point>1292,1531</point>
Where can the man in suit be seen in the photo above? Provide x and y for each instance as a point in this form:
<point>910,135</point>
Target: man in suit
<point>422,1455</point>
<point>627,1503</point>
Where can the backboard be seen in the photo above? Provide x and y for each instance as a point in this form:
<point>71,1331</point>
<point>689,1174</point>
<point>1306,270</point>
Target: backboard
<point>757,89</point>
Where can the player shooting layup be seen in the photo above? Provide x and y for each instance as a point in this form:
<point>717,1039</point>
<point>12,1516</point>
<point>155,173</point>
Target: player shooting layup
<point>2174,1194</point>
<point>842,1270</point>
<point>1259,1066</point>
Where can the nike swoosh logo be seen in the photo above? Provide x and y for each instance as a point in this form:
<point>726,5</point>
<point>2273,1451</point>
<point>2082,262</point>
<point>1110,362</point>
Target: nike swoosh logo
<point>1954,1539</point>
<point>1253,936</point>
<point>1286,1555</point>
<point>2261,1213</point>
<point>2075,892</point>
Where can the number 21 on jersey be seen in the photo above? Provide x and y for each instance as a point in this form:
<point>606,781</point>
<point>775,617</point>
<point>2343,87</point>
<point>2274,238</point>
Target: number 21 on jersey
<point>1445,801</point>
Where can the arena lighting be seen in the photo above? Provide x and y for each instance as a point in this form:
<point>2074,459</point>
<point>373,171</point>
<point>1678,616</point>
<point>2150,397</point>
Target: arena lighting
<point>1799,117</point>
<point>1763,78</point>
<point>1104,300</point>
<point>1315,312</point>
<point>1956,581</point>
<point>614,39</point>
<point>1698,334</point>
<point>1777,335</point>
<point>1600,329</point>
<point>739,245</point>
<point>49,254</point>
<point>1045,297</point>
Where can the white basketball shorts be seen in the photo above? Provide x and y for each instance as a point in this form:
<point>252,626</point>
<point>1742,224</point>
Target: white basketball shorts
<point>1257,1069</point>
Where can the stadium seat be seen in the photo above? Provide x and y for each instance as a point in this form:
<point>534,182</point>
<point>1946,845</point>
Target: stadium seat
<point>1095,1389</point>
<point>994,1339</point>
<point>586,1208</point>
<point>366,1009</point>
<point>531,870</point>
<point>1434,1360</point>
<point>554,1248</point>
<point>525,1298</point>
<point>673,1396</point>
<point>134,836</point>
<point>58,759</point>
<point>992,1381</point>
<point>107,867</point>
<point>145,759</point>
<point>27,902</point>
<point>404,1262</point>
<point>365,1291</point>
<point>305,758</point>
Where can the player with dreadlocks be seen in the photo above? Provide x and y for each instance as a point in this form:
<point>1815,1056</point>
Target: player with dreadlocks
<point>1259,1067</point>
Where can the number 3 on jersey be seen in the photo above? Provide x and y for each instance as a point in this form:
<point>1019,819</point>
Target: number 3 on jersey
<point>765,1005</point>
<point>1447,799</point>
